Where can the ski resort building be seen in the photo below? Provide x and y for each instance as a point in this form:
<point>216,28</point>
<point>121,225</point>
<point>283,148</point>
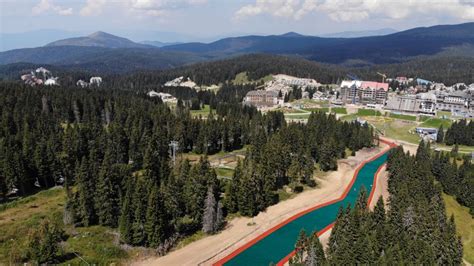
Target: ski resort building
<point>420,103</point>
<point>261,98</point>
<point>364,92</point>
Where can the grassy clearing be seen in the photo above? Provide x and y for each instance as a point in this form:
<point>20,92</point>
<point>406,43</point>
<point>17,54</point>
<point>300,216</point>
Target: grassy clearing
<point>224,172</point>
<point>291,110</point>
<point>403,117</point>
<point>350,117</point>
<point>462,148</point>
<point>396,129</point>
<point>242,78</point>
<point>339,110</point>
<point>97,244</point>
<point>203,112</point>
<point>436,122</point>
<point>368,112</point>
<point>443,114</point>
<point>320,109</point>
<point>464,225</point>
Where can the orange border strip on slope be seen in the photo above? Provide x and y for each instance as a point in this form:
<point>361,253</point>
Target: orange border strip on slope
<point>296,216</point>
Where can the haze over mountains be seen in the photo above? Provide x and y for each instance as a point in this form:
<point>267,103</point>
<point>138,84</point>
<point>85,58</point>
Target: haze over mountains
<point>357,34</point>
<point>119,54</point>
<point>99,39</point>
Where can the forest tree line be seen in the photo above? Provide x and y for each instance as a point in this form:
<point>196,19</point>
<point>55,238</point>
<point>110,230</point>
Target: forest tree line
<point>457,179</point>
<point>444,69</point>
<point>461,132</point>
<point>413,230</point>
<point>110,149</point>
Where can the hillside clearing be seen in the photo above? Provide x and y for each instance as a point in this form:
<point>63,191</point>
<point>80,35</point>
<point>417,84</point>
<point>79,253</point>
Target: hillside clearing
<point>96,244</point>
<point>464,225</point>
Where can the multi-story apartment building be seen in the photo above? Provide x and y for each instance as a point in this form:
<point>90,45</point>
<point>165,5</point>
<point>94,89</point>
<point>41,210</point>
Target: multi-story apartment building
<point>364,92</point>
<point>261,98</point>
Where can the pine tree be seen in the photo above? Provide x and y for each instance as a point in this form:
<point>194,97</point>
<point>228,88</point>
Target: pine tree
<point>315,252</point>
<point>43,243</point>
<point>219,216</point>
<point>139,200</point>
<point>300,248</point>
<point>107,198</point>
<point>126,215</point>
<point>210,214</point>
<point>455,151</point>
<point>440,135</point>
<point>454,247</point>
<point>156,223</point>
<point>231,200</point>
<point>85,195</point>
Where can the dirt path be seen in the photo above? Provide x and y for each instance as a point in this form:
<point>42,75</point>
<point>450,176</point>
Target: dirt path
<point>212,248</point>
<point>381,188</point>
<point>407,146</point>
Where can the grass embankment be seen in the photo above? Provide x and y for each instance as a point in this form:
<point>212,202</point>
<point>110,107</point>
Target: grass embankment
<point>339,110</point>
<point>224,172</point>
<point>96,245</point>
<point>435,122</point>
<point>317,109</point>
<point>403,117</point>
<point>464,225</point>
<point>368,112</point>
<point>403,130</point>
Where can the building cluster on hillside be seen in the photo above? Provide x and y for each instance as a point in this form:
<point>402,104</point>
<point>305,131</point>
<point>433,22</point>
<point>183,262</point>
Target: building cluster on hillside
<point>277,88</point>
<point>363,92</point>
<point>418,96</point>
<point>41,76</point>
<point>181,82</point>
<point>285,83</point>
<point>93,81</point>
<point>457,99</point>
<point>165,97</point>
<point>302,83</point>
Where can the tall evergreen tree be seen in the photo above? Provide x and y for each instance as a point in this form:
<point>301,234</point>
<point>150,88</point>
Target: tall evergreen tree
<point>210,213</point>
<point>85,195</point>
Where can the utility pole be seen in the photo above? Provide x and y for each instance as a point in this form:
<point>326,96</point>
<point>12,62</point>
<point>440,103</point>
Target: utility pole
<point>174,147</point>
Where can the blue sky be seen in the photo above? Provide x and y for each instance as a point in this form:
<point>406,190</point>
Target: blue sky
<point>215,18</point>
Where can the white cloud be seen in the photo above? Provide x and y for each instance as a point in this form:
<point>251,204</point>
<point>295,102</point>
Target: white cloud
<point>161,7</point>
<point>278,8</point>
<point>357,10</point>
<point>45,6</point>
<point>93,8</point>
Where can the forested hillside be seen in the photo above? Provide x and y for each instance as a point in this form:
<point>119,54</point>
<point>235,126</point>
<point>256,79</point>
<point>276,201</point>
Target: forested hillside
<point>448,70</point>
<point>413,230</point>
<point>110,150</point>
<point>445,69</point>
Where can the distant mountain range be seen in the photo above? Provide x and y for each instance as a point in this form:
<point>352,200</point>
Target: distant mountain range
<point>117,54</point>
<point>390,48</point>
<point>159,44</point>
<point>358,34</point>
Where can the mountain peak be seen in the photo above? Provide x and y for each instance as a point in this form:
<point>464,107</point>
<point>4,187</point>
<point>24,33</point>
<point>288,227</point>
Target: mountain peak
<point>102,34</point>
<point>99,39</point>
<point>292,34</point>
